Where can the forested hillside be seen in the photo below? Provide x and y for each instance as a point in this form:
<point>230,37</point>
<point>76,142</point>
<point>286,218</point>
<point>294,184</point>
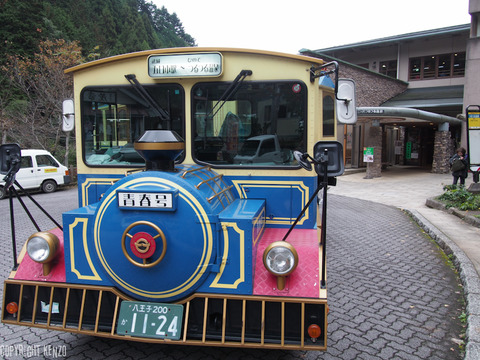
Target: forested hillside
<point>102,27</point>
<point>40,38</point>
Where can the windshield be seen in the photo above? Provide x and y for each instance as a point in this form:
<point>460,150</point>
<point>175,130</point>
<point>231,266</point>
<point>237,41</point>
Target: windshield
<point>113,118</point>
<point>249,148</point>
<point>267,111</point>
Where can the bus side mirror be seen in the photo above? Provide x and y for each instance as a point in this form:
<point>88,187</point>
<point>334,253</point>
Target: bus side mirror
<point>345,102</point>
<point>10,158</point>
<point>10,162</point>
<point>329,153</point>
<point>68,116</point>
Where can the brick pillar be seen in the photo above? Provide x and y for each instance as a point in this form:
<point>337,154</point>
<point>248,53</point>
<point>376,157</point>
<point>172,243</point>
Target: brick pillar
<point>442,150</point>
<point>374,169</point>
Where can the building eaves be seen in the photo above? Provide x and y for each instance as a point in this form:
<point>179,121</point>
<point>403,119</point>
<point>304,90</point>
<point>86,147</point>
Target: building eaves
<point>451,30</point>
<point>314,53</point>
<point>428,97</point>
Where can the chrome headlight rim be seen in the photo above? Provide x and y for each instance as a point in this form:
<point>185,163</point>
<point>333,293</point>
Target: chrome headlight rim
<point>42,247</point>
<point>279,247</point>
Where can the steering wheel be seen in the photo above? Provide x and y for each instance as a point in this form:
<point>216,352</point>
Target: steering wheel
<point>143,245</point>
<point>302,160</point>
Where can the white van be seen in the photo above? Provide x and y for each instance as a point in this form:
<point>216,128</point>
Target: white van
<point>39,170</point>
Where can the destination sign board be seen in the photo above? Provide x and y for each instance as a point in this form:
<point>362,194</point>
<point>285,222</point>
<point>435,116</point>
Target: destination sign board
<point>185,65</point>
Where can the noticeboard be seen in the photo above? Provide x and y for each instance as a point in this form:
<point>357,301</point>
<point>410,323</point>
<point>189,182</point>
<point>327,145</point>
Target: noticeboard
<point>368,154</point>
<point>473,136</point>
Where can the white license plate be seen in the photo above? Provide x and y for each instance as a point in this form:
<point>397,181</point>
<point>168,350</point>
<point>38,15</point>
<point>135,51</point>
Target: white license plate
<point>153,320</point>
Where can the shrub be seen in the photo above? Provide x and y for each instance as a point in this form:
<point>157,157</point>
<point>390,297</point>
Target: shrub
<point>460,198</point>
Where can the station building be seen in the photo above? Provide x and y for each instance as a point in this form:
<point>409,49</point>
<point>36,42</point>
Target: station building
<point>410,97</point>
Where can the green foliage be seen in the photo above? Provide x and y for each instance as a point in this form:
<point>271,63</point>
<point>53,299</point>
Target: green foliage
<point>460,198</point>
<point>115,26</point>
<point>30,94</point>
<point>33,117</point>
<point>20,27</point>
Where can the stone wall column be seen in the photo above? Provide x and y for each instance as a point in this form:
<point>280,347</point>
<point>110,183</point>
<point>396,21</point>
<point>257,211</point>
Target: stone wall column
<point>401,158</point>
<point>442,150</point>
<point>374,169</point>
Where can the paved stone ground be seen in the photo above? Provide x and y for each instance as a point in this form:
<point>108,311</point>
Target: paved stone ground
<point>396,295</point>
<point>391,295</point>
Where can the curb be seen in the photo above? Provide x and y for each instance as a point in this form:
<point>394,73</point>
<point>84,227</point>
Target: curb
<point>469,219</point>
<point>469,279</point>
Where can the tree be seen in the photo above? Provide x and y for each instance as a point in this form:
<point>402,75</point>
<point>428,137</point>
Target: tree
<point>32,83</point>
<point>8,106</point>
<point>170,29</point>
<point>20,27</point>
<point>43,86</point>
<point>116,26</point>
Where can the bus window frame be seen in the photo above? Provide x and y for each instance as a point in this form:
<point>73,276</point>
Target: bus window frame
<point>179,160</point>
<point>249,167</point>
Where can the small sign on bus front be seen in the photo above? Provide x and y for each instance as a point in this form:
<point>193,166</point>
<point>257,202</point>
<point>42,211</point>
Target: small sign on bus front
<point>138,200</point>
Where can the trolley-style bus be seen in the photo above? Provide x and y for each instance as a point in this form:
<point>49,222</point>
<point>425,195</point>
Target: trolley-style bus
<point>198,220</point>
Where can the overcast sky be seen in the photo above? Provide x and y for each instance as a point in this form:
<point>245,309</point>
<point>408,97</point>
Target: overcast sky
<point>289,26</point>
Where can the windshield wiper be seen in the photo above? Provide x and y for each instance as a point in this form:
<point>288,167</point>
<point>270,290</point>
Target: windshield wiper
<point>231,90</point>
<point>164,115</point>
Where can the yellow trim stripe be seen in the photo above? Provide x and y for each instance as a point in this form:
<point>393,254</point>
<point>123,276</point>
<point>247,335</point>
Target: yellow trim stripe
<point>215,283</point>
<point>94,181</point>
<point>95,275</point>
<point>240,186</point>
<point>159,146</point>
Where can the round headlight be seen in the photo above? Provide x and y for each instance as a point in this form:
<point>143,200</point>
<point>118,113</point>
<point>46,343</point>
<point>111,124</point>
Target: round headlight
<point>280,258</point>
<point>42,247</point>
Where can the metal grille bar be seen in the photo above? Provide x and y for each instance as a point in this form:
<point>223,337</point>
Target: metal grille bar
<point>66,307</point>
<point>214,178</point>
<point>234,316</point>
<point>217,194</point>
<point>208,167</point>
<point>50,307</point>
<point>213,182</point>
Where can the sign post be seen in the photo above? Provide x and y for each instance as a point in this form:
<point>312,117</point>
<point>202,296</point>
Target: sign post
<point>473,142</point>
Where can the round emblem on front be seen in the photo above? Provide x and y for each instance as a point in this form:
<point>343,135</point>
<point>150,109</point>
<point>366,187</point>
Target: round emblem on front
<point>143,245</point>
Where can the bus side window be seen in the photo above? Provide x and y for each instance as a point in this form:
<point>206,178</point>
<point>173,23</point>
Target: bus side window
<point>328,116</point>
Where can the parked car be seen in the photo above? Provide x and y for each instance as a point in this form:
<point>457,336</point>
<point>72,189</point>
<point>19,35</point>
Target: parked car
<point>39,170</point>
<point>262,149</point>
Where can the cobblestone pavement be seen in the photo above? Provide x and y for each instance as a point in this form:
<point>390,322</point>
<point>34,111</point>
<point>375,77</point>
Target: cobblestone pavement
<point>391,294</point>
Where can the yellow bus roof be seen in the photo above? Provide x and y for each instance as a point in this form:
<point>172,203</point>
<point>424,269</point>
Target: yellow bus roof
<point>190,50</point>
